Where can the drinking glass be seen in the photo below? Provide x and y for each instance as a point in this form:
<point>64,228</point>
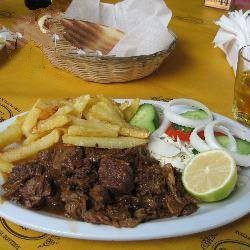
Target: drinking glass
<point>241,105</point>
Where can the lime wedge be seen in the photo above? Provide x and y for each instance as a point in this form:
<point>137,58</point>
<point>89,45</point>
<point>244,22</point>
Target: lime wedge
<point>210,176</point>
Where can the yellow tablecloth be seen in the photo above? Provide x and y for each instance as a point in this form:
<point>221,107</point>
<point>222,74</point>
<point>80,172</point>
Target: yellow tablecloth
<point>195,70</point>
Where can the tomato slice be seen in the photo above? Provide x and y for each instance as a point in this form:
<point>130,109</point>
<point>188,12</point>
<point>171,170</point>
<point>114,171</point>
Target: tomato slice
<point>174,133</point>
<point>184,135</point>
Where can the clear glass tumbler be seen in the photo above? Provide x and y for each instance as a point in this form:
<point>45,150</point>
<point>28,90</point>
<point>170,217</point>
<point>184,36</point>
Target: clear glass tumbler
<point>241,105</point>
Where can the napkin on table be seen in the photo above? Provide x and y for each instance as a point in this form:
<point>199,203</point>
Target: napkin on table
<point>234,33</point>
<point>144,23</point>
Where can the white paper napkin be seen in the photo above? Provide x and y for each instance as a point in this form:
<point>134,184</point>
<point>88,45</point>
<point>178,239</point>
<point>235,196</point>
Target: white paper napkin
<point>234,33</point>
<point>143,21</point>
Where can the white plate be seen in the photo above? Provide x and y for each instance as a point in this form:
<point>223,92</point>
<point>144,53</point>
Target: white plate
<point>207,217</point>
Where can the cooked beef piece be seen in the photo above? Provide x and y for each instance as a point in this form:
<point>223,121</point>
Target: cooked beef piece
<point>54,201</point>
<point>95,154</point>
<point>116,174</point>
<point>149,178</point>
<point>19,176</point>
<point>75,203</point>
<point>67,158</point>
<point>129,155</point>
<point>100,195</point>
<point>104,186</point>
<point>46,157</point>
<point>34,191</point>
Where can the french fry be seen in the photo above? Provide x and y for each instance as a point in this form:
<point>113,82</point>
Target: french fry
<point>3,178</point>
<point>52,122</point>
<point>104,112</point>
<point>26,151</point>
<point>67,101</point>
<point>93,100</point>
<point>33,137</point>
<point>132,131</point>
<point>92,123</point>
<point>92,132</point>
<point>5,166</point>
<point>80,104</point>
<point>64,110</point>
<point>110,103</point>
<point>10,135</point>
<point>63,130</point>
<point>30,121</point>
<point>124,105</point>
<point>47,112</point>
<point>20,119</point>
<point>130,111</point>
<point>105,142</point>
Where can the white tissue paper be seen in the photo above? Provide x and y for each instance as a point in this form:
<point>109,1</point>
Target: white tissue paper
<point>234,33</point>
<point>144,23</point>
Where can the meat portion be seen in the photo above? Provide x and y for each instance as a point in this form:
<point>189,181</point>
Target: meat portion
<point>75,204</point>
<point>35,191</point>
<point>113,187</point>
<point>149,178</point>
<point>28,184</point>
<point>116,174</point>
<point>67,158</point>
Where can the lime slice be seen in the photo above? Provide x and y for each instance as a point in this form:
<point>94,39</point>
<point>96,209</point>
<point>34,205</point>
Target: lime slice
<point>210,176</point>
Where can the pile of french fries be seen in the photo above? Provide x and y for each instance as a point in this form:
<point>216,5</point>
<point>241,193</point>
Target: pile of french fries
<point>88,121</point>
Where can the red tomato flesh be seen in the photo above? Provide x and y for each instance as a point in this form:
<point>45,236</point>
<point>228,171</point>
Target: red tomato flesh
<point>185,136</point>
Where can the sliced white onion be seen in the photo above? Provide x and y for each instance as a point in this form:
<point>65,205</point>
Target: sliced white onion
<point>160,147</point>
<point>197,142</point>
<point>184,121</point>
<point>240,159</point>
<point>162,129</point>
<point>217,126</point>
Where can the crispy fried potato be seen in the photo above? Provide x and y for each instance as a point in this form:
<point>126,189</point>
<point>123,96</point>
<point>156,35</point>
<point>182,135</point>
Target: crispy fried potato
<point>52,122</point>
<point>111,104</point>
<point>124,105</point>
<point>20,119</point>
<point>30,121</point>
<point>92,132</point>
<point>48,111</point>
<point>104,112</point>
<point>64,110</point>
<point>130,111</point>
<point>105,142</point>
<point>92,123</point>
<point>80,104</point>
<point>24,152</point>
<point>10,135</point>
<point>63,130</point>
<point>5,166</point>
<point>33,137</point>
<point>132,131</point>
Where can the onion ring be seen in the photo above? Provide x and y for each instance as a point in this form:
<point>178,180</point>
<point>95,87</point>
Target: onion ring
<point>240,159</point>
<point>212,141</point>
<point>184,121</point>
<point>197,142</point>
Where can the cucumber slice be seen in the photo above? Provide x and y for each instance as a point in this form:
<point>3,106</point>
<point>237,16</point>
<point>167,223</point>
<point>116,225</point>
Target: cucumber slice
<point>243,147</point>
<point>193,114</point>
<point>198,114</point>
<point>146,117</point>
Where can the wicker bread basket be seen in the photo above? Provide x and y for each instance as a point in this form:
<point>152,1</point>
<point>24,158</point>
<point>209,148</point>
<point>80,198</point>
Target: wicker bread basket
<point>104,69</point>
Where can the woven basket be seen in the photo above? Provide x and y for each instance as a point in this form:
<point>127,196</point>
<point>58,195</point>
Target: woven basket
<point>104,69</point>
